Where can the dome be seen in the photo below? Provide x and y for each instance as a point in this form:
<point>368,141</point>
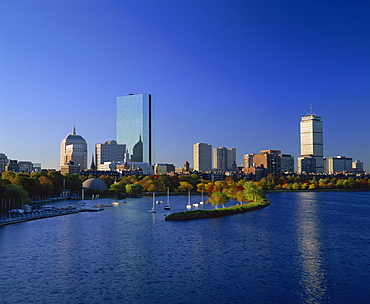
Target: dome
<point>95,184</point>
<point>74,138</point>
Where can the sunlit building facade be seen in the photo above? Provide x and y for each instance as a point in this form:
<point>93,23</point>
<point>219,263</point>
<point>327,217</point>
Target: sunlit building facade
<point>73,149</point>
<point>311,131</point>
<point>202,157</point>
<point>110,151</point>
<point>135,126</point>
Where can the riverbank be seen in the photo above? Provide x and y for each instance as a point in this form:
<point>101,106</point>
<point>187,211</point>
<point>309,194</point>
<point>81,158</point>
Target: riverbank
<point>35,216</point>
<point>204,214</point>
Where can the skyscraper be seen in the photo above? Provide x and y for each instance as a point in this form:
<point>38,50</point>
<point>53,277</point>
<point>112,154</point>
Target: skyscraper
<point>224,159</point>
<point>202,157</point>
<point>135,126</point>
<point>73,149</point>
<point>312,141</point>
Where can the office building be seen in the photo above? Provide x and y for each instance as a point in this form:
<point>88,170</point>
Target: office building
<point>248,160</point>
<point>224,159</point>
<point>163,168</point>
<point>25,166</point>
<point>110,151</point>
<point>339,164</point>
<point>202,154</point>
<point>270,160</point>
<point>12,165</point>
<point>135,126</point>
<point>286,163</point>
<point>306,164</point>
<point>358,165</point>
<point>311,131</point>
<point>73,148</point>
<point>3,162</point>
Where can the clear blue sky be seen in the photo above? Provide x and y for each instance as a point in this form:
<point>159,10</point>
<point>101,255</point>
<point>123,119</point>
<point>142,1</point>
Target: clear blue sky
<point>229,73</point>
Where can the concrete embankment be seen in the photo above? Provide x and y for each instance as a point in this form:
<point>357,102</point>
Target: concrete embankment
<point>35,216</point>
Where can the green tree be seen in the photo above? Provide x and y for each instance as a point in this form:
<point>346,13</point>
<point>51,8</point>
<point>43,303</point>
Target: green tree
<point>15,192</point>
<point>118,187</point>
<point>252,192</point>
<point>134,189</point>
<point>218,198</point>
<point>108,180</point>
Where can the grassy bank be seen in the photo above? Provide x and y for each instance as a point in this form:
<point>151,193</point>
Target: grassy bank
<point>203,214</point>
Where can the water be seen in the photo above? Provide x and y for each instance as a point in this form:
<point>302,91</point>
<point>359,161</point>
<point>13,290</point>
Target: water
<point>303,248</point>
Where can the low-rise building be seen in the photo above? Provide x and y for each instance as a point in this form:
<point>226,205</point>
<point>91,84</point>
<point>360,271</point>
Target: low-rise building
<point>164,168</point>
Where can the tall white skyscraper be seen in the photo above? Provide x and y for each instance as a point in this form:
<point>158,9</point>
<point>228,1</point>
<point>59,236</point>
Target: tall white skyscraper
<point>312,140</point>
<point>202,157</point>
<point>74,148</point>
<point>135,126</point>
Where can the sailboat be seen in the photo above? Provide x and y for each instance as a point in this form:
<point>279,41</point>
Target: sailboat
<point>167,207</point>
<point>201,202</point>
<point>188,206</point>
<point>195,204</point>
<point>152,210</point>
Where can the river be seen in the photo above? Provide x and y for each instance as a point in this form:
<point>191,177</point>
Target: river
<point>306,247</point>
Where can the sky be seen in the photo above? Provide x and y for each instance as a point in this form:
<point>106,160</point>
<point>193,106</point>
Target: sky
<point>228,73</point>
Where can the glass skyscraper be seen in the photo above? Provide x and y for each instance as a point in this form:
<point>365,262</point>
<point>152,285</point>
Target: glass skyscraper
<point>135,126</point>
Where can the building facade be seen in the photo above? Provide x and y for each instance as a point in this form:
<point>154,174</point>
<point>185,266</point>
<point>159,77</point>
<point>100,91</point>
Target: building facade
<point>110,151</point>
<point>306,164</point>
<point>311,136</point>
<point>270,160</point>
<point>286,163</point>
<point>73,148</point>
<point>224,159</point>
<point>135,126</point>
<point>358,165</point>
<point>339,164</point>
<point>163,168</point>
<point>202,157</point>
<point>3,162</point>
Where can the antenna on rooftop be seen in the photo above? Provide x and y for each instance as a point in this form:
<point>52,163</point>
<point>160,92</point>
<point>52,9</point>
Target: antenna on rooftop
<point>310,107</point>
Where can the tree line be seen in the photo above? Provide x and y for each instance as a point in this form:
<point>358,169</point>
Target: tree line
<point>23,185</point>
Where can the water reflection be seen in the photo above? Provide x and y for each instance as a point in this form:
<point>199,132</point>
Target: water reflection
<point>313,277</point>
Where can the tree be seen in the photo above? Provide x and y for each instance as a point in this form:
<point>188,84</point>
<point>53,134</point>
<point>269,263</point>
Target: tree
<point>134,188</point>
<point>118,187</point>
<point>9,175</point>
<point>15,191</point>
<point>108,180</point>
<point>201,187</point>
<point>252,192</point>
<point>218,198</point>
<point>185,186</point>
<point>240,197</point>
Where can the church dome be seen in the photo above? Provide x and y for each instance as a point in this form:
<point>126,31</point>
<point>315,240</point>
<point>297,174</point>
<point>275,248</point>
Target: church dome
<point>95,184</point>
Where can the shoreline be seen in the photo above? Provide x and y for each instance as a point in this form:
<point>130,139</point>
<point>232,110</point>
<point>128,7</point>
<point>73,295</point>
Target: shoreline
<point>213,213</point>
<point>21,220</point>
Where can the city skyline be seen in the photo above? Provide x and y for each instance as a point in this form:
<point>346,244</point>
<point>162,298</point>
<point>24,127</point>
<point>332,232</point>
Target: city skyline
<point>238,74</point>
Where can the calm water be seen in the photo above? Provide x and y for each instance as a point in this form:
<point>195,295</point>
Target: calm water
<point>303,248</point>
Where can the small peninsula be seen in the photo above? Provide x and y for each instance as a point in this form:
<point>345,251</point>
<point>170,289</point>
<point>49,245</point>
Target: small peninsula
<point>204,214</point>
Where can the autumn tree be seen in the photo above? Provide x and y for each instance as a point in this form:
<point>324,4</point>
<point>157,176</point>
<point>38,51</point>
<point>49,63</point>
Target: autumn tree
<point>218,198</point>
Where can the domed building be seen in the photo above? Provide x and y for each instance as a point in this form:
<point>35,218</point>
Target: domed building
<point>95,184</point>
<point>73,149</point>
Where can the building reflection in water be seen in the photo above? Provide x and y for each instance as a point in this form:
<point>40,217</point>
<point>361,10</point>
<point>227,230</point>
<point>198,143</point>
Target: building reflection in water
<point>313,277</point>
